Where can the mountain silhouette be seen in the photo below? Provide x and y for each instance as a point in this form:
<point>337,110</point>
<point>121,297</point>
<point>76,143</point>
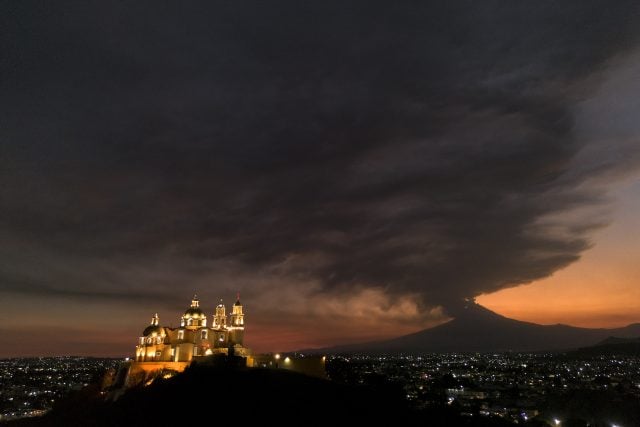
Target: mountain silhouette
<point>611,346</point>
<point>477,329</point>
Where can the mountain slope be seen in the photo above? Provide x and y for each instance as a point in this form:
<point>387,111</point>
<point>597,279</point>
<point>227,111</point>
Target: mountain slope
<point>479,329</point>
<point>612,346</point>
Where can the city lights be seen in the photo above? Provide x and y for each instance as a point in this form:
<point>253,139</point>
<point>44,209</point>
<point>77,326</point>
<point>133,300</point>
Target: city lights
<point>496,385</point>
<point>30,386</point>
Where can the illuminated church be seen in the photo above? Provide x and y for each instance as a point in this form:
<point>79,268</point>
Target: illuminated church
<point>194,338</point>
<point>163,351</point>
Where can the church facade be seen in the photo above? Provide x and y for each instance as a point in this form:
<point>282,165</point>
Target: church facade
<point>195,337</point>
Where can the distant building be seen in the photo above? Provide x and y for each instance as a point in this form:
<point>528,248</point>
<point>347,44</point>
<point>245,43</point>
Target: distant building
<point>194,339</point>
<point>313,365</point>
<point>163,351</point>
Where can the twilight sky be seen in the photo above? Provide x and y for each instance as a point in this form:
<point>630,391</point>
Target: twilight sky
<point>354,169</point>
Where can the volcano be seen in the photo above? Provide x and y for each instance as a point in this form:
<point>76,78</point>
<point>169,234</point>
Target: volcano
<point>477,329</point>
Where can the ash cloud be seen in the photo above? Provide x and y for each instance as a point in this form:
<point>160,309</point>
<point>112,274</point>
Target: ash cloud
<point>417,149</point>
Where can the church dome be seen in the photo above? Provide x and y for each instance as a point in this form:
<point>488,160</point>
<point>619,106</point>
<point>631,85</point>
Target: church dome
<point>149,330</point>
<point>193,312</point>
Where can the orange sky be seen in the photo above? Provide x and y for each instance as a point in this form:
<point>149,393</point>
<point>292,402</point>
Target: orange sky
<point>602,289</point>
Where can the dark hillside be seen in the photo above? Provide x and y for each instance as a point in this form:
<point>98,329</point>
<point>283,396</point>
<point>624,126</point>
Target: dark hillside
<point>205,395</point>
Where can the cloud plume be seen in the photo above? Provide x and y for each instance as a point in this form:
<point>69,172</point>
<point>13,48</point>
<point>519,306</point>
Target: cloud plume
<point>423,150</point>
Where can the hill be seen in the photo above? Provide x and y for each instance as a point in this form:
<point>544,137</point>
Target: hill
<point>612,346</point>
<point>477,329</point>
<point>206,395</point>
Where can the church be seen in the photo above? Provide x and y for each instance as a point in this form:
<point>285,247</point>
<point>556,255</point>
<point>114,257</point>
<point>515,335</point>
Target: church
<point>194,338</point>
<point>163,351</point>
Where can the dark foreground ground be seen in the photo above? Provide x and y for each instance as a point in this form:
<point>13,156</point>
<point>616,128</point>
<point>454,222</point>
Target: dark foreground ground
<point>207,395</point>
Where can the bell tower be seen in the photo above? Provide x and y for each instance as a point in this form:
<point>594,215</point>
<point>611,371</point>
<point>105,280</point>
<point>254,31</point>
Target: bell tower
<point>236,335</point>
<point>220,318</point>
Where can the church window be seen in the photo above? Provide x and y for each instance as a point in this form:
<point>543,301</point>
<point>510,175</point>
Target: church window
<point>180,335</point>
<point>204,335</point>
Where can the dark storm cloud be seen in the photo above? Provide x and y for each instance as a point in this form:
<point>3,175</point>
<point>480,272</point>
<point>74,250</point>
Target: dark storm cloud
<point>417,147</point>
